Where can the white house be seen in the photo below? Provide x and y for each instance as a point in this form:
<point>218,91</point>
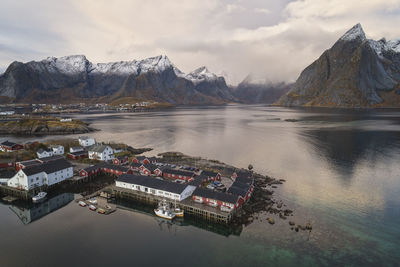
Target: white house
<point>155,186</point>
<point>44,153</point>
<point>57,149</point>
<point>75,149</point>
<point>101,152</point>
<point>86,141</point>
<point>49,173</point>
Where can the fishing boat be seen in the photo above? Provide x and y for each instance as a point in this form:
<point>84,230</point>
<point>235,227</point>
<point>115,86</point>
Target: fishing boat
<point>93,208</point>
<point>82,203</point>
<point>178,211</point>
<point>39,197</point>
<point>92,201</point>
<point>164,211</point>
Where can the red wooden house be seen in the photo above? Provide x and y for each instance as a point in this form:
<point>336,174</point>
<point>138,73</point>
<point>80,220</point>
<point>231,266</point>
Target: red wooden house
<point>135,166</point>
<point>150,169</point>
<point>8,146</point>
<point>77,155</point>
<point>177,174</point>
<point>211,176</point>
<point>225,201</point>
<point>120,160</point>
<point>7,164</point>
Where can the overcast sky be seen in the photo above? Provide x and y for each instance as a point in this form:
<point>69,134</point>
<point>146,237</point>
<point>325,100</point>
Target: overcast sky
<point>273,39</point>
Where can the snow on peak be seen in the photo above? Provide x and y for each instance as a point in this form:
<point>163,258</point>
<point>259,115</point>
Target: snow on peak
<point>68,64</point>
<point>152,64</point>
<point>201,74</point>
<point>382,46</point>
<point>356,32</point>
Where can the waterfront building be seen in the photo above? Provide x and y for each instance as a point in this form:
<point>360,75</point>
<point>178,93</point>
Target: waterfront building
<point>77,155</point>
<point>141,159</point>
<point>224,201</point>
<point>86,141</point>
<point>48,173</point>
<point>177,174</point>
<point>155,187</point>
<point>101,152</point>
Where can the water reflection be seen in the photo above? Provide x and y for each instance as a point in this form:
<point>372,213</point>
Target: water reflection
<point>30,213</point>
<point>171,226</point>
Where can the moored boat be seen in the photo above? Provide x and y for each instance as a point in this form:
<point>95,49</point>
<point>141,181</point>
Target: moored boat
<point>82,203</point>
<point>93,208</point>
<point>164,211</point>
<point>39,197</point>
<point>178,212</point>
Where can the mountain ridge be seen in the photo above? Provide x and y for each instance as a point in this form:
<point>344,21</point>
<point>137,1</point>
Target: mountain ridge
<point>75,78</point>
<point>355,72</point>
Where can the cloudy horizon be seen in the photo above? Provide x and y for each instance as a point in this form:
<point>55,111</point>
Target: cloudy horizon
<point>273,40</point>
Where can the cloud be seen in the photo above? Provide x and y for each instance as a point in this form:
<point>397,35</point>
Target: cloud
<point>272,39</point>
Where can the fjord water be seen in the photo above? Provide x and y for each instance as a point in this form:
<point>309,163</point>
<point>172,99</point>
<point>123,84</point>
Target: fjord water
<point>342,172</point>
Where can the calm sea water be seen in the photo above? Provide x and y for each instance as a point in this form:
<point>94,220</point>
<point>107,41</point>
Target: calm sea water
<point>342,171</point>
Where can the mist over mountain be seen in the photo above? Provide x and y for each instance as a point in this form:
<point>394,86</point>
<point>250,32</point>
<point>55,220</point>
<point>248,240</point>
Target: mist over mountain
<point>251,91</point>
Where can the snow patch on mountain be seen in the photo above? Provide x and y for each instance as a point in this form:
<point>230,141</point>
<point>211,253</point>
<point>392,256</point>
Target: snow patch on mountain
<point>201,74</point>
<point>356,32</point>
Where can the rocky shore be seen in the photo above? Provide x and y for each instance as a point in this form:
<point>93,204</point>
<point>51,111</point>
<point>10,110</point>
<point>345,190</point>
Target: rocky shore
<point>43,126</point>
<point>262,199</point>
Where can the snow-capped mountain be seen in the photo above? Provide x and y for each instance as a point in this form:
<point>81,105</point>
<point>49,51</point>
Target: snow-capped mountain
<point>354,72</point>
<point>74,78</point>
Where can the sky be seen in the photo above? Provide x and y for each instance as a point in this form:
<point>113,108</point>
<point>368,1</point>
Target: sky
<point>273,40</point>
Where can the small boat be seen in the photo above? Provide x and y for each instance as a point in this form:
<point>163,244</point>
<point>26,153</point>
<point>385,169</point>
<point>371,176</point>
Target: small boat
<point>101,211</point>
<point>82,203</point>
<point>39,197</point>
<point>92,201</point>
<point>164,211</point>
<point>93,208</point>
<point>178,212</point>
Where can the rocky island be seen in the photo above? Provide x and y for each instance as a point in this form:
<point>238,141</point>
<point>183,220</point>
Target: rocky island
<point>42,126</point>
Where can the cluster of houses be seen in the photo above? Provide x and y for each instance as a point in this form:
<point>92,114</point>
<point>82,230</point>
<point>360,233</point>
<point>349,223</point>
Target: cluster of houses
<point>149,176</point>
<point>142,174</point>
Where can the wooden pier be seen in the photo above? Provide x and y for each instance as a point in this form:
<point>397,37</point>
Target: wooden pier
<point>188,205</point>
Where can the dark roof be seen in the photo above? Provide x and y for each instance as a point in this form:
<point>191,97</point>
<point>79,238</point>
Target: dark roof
<point>152,159</point>
<point>76,147</point>
<point>134,164</point>
<point>115,167</point>
<point>94,167</point>
<point>237,191</point>
<point>140,158</point>
<point>31,162</point>
<point>121,157</point>
<point>151,167</point>
<point>98,148</point>
<point>196,182</point>
<point>7,174</point>
<point>78,153</point>
<point>41,150</point>
<point>152,183</point>
<point>243,174</point>
<point>178,172</point>
<point>8,143</point>
<point>48,167</point>
<point>228,198</point>
<point>52,158</point>
<point>243,180</point>
<point>209,173</point>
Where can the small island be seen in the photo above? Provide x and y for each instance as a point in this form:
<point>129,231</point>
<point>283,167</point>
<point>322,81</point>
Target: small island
<point>42,125</point>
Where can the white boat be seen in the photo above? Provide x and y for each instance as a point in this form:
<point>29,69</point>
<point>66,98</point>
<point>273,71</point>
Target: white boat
<point>82,203</point>
<point>92,201</point>
<point>93,208</point>
<point>39,197</point>
<point>164,211</point>
<point>178,211</point>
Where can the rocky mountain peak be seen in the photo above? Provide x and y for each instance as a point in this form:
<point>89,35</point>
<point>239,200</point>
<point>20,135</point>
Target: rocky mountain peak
<point>355,33</point>
<point>201,74</point>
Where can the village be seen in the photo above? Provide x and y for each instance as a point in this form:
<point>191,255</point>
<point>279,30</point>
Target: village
<point>177,189</point>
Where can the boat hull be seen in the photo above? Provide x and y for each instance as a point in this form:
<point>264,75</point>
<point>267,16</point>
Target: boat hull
<point>165,216</point>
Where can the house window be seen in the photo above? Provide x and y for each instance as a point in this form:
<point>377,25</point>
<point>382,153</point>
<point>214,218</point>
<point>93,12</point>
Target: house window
<point>146,189</point>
